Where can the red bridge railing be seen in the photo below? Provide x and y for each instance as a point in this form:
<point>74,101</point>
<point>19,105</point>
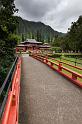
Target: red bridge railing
<point>11,109</point>
<point>73,76</point>
<point>67,64</point>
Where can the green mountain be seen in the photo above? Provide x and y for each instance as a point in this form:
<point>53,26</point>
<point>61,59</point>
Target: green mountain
<point>31,28</point>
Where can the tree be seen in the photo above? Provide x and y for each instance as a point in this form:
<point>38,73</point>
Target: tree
<point>22,37</point>
<point>7,20</point>
<point>75,34</point>
<point>33,35</point>
<point>8,40</point>
<point>72,41</point>
<point>49,39</point>
<point>39,37</point>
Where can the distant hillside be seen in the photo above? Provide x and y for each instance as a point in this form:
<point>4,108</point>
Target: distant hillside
<point>26,27</point>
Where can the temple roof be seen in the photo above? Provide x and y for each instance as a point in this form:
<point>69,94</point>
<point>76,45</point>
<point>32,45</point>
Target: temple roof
<point>32,41</point>
<point>45,46</point>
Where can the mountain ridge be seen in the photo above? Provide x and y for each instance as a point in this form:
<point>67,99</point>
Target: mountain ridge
<point>27,27</point>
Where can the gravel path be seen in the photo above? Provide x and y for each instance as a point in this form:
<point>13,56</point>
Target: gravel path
<point>46,97</point>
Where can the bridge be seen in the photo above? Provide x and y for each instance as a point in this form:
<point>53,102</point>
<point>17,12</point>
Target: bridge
<point>46,97</point>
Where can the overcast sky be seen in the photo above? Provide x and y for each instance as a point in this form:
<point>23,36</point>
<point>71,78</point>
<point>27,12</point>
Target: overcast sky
<point>57,13</point>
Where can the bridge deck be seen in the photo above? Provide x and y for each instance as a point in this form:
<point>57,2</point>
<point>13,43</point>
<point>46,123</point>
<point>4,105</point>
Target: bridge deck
<point>46,97</point>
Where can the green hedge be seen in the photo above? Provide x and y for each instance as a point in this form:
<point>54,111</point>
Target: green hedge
<point>70,55</point>
<point>73,56</point>
<point>55,55</point>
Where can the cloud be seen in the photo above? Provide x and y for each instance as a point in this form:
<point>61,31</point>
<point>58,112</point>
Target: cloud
<point>57,13</point>
<point>36,8</point>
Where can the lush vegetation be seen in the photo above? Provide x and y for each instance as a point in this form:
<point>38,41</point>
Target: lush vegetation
<point>69,55</point>
<point>37,30</point>
<point>69,42</point>
<point>72,41</point>
<point>8,39</point>
<point>65,63</point>
<point>14,29</point>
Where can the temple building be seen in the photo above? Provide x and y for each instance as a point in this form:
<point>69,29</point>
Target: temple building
<point>31,45</point>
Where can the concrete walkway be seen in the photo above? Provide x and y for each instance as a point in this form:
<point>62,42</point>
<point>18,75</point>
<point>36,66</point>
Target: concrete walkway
<point>46,97</point>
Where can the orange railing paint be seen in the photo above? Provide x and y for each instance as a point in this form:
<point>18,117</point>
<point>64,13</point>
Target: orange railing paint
<point>74,75</point>
<point>11,111</point>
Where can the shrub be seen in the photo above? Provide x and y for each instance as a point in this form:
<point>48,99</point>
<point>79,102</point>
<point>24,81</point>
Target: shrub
<point>56,49</point>
<point>55,55</point>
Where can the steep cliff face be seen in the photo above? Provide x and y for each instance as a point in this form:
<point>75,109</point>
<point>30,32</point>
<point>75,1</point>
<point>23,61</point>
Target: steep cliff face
<point>25,27</point>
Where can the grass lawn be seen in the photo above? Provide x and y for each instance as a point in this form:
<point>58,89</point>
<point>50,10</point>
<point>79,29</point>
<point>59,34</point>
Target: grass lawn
<point>69,67</point>
<point>69,60</point>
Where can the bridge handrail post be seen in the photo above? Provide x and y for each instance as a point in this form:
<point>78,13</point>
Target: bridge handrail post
<point>60,67</point>
<point>52,64</point>
<point>74,76</point>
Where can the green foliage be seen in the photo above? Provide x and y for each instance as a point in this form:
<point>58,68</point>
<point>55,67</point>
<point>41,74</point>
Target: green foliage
<point>73,55</point>
<point>68,55</point>
<point>32,28</point>
<point>75,35</point>
<point>56,49</point>
<point>72,41</point>
<point>12,40</point>
<point>8,39</point>
<point>55,55</point>
<point>33,35</point>
<point>38,36</point>
<point>23,37</point>
<point>7,20</point>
